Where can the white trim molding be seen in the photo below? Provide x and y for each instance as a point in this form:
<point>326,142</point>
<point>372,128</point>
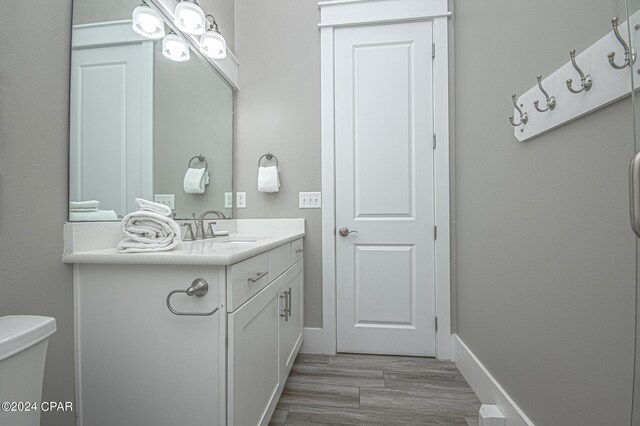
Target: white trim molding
<point>340,13</point>
<point>485,386</point>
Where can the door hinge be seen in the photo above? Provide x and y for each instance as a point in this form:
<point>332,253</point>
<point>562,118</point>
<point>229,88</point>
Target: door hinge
<point>435,232</point>
<point>436,323</point>
<point>433,50</point>
<point>434,141</point>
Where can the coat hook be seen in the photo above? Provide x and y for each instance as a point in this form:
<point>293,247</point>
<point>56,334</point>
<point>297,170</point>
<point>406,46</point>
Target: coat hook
<point>551,100</point>
<point>524,117</point>
<point>629,57</point>
<point>585,80</point>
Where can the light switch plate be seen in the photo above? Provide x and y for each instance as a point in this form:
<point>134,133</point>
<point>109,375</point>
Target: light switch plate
<point>168,200</point>
<point>310,200</point>
<point>228,200</point>
<point>241,200</point>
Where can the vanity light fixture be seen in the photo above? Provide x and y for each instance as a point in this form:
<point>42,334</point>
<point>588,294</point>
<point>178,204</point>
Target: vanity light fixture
<point>174,48</point>
<point>212,43</point>
<point>189,17</point>
<point>147,22</point>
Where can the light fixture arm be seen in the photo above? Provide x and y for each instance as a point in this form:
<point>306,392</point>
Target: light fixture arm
<point>213,25</point>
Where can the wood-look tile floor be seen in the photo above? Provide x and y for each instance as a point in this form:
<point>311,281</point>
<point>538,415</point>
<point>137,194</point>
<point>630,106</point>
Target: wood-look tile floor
<point>351,389</point>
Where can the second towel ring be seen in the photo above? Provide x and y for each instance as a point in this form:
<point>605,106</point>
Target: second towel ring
<point>202,159</point>
<point>269,156</point>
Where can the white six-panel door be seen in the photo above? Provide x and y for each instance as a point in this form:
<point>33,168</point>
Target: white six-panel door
<point>384,189</point>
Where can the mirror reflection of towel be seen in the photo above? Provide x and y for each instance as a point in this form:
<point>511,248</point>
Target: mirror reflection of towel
<point>268,179</point>
<point>195,181</point>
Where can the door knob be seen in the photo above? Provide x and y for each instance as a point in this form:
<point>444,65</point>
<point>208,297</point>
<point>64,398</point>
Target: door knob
<point>344,231</point>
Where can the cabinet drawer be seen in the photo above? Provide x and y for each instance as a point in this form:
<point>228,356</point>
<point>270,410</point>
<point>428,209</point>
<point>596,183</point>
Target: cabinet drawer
<point>246,278</point>
<point>297,250</point>
<point>279,260</point>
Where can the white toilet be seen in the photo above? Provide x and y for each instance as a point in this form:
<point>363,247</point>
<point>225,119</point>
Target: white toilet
<point>23,349</point>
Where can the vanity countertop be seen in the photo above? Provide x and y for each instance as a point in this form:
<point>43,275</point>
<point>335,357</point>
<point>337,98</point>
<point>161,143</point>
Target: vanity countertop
<point>216,251</point>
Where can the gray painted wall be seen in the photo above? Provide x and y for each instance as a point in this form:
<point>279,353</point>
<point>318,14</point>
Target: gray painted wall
<point>34,93</point>
<point>192,114</point>
<point>278,110</point>
<point>545,257</point>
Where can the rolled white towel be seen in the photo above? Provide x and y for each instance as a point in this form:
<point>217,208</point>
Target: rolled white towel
<point>148,231</point>
<point>268,179</point>
<point>150,206</point>
<point>84,206</point>
<point>195,181</point>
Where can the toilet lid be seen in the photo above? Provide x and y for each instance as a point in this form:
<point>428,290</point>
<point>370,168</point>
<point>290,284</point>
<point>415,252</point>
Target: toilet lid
<point>19,332</point>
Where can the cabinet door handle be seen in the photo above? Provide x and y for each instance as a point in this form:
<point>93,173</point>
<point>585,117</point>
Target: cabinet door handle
<point>289,299</point>
<point>299,250</point>
<point>199,287</point>
<point>286,306</point>
<point>257,276</point>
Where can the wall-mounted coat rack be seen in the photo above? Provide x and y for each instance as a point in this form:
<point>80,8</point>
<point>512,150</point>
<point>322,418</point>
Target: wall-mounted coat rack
<point>589,81</point>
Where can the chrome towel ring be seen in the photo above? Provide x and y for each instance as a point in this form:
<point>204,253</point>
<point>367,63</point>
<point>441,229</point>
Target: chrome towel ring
<point>269,156</point>
<point>201,158</point>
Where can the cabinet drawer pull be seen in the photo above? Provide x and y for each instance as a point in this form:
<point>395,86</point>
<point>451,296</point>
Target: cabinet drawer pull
<point>299,250</point>
<point>257,276</point>
<point>199,287</point>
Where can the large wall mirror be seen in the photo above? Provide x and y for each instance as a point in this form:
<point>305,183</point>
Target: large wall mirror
<point>143,125</point>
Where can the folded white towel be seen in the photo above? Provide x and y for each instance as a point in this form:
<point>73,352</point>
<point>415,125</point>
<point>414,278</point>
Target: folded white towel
<point>268,179</point>
<point>84,206</point>
<point>148,231</point>
<point>150,206</point>
<point>89,216</point>
<point>195,181</point>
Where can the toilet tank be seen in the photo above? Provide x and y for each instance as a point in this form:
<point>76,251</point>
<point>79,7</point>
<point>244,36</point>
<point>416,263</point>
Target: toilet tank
<point>23,349</point>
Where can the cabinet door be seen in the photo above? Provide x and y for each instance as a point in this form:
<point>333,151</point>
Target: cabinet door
<point>254,359</point>
<point>137,363</point>
<point>291,326</point>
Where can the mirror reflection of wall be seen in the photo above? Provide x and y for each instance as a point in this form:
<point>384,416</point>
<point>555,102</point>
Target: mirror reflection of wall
<point>137,118</point>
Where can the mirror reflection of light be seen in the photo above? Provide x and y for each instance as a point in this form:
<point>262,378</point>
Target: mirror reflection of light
<point>174,48</point>
<point>147,23</point>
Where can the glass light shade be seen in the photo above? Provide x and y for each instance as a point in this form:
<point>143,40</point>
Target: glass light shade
<point>147,23</point>
<point>189,17</point>
<point>213,44</point>
<point>174,48</point>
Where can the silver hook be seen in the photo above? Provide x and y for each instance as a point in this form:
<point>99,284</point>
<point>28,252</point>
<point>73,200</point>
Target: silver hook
<point>585,80</point>
<point>629,57</point>
<point>524,117</point>
<point>551,100</point>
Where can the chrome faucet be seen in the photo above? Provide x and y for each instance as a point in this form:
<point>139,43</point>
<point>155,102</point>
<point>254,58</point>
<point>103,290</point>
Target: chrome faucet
<point>200,233</point>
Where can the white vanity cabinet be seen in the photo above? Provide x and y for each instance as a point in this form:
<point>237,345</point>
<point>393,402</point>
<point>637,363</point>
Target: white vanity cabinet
<point>264,339</point>
<point>138,363</point>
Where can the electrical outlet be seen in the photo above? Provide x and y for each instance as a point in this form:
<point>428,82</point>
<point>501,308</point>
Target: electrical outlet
<point>228,200</point>
<point>310,200</point>
<point>241,200</point>
<point>168,200</point>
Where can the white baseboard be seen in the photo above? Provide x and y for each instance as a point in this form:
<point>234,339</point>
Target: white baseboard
<point>313,342</point>
<point>485,385</point>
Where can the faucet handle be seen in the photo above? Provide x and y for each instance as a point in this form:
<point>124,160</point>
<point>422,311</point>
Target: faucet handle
<point>210,232</point>
<point>189,236</point>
